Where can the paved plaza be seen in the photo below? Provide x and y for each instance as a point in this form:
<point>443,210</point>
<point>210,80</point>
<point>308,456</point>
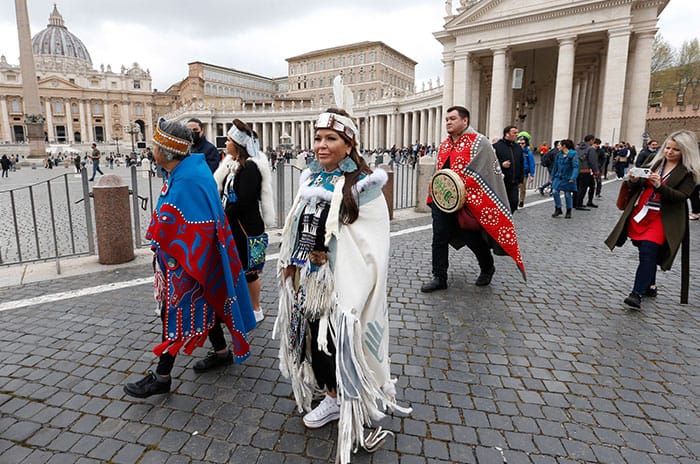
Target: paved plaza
<point>552,370</point>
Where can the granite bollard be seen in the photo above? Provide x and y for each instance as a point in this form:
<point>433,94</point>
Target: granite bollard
<point>115,244</point>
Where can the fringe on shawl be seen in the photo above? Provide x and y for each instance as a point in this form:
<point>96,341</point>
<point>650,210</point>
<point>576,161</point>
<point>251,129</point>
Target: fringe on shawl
<point>301,375</point>
<point>362,400</point>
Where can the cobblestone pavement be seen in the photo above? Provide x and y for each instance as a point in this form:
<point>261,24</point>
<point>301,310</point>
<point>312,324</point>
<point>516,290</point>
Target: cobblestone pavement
<point>552,370</point>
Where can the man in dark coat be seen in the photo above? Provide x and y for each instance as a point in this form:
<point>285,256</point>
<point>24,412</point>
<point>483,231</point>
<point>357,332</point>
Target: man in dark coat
<point>510,157</point>
<point>588,169</point>
<point>200,144</point>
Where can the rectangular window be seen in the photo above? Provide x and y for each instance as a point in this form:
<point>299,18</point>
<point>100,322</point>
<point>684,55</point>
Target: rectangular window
<point>11,78</point>
<point>97,108</point>
<point>138,108</point>
<point>137,84</point>
<point>57,107</point>
<point>16,106</point>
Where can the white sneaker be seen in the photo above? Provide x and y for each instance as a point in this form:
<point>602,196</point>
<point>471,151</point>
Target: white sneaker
<point>259,316</point>
<point>327,410</point>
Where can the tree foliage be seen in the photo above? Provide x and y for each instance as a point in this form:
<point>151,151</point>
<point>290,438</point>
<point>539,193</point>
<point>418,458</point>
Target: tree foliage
<point>663,55</point>
<point>688,72</point>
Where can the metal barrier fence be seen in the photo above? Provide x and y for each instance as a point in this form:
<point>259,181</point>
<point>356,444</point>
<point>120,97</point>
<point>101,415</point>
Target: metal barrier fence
<point>53,219</point>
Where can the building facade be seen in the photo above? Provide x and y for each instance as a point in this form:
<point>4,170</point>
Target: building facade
<point>79,104</point>
<point>558,69</point>
<point>387,106</point>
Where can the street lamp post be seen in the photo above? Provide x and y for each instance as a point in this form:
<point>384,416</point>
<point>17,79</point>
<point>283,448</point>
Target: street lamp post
<point>132,130</point>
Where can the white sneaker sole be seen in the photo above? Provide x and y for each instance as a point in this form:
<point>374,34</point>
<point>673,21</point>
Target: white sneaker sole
<point>321,422</point>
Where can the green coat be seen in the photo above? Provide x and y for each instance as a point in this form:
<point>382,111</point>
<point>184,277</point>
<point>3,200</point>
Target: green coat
<point>674,217</point>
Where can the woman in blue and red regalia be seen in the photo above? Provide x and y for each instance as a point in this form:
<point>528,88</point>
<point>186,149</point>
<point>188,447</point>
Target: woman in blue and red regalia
<point>470,155</point>
<point>198,275</point>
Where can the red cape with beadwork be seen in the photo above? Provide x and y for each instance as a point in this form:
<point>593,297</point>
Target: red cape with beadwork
<point>200,273</point>
<point>473,158</point>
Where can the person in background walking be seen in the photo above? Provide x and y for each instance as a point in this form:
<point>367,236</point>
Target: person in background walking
<point>588,169</point>
<point>511,160</point>
<point>656,216</point>
<point>547,162</point>
<point>528,167</point>
<point>620,155</point>
<point>200,144</point>
<point>564,176</point>
<point>95,157</point>
<point>5,163</point>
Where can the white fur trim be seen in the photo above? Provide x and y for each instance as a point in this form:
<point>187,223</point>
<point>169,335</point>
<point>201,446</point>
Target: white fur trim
<point>227,166</point>
<point>267,204</point>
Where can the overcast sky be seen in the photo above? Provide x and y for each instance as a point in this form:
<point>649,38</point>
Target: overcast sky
<point>257,36</point>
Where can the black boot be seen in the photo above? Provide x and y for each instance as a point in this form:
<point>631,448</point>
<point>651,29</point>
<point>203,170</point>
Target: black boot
<point>568,213</point>
<point>485,277</point>
<point>147,386</point>
<point>213,361</point>
<point>557,212</point>
<point>438,283</point>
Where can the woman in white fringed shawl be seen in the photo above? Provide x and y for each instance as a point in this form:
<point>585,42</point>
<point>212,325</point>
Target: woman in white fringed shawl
<point>333,316</point>
<point>245,184</point>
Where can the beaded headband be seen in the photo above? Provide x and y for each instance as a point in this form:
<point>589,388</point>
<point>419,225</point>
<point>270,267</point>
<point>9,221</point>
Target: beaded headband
<point>170,142</point>
<point>338,123</point>
<point>241,138</point>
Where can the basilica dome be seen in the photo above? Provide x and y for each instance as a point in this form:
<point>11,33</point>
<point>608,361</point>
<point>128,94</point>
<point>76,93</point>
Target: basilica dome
<point>57,41</point>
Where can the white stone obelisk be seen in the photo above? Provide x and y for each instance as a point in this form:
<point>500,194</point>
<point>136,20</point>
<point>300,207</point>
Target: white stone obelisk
<point>33,120</point>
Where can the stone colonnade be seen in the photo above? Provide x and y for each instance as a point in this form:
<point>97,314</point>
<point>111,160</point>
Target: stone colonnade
<point>65,117</point>
<point>380,127</point>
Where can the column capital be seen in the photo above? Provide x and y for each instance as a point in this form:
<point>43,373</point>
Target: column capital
<point>567,40</point>
<point>621,32</point>
<point>649,34</point>
<point>499,50</point>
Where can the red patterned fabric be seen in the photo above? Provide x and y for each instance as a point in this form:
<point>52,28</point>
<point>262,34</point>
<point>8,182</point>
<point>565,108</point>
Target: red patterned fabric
<point>472,157</point>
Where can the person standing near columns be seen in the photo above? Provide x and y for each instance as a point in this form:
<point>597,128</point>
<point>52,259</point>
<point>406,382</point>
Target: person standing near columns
<point>510,158</point>
<point>95,156</point>
<point>471,156</point>
<point>588,169</point>
<point>200,144</point>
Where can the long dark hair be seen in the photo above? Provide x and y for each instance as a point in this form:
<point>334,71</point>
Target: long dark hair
<point>349,210</point>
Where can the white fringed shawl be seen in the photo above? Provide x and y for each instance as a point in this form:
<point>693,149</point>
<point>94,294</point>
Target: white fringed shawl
<point>359,255</point>
<point>228,166</point>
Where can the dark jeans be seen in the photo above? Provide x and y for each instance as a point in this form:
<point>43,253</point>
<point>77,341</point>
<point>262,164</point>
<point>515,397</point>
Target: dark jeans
<point>513,191</point>
<point>444,227</point>
<point>646,270</point>
<point>96,169</point>
<point>620,169</point>
<point>585,183</point>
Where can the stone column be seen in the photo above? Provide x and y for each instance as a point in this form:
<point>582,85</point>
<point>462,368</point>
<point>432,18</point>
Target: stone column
<point>108,121</point>
<point>614,87</point>
<point>49,121</point>
<point>69,122</point>
<point>424,126</point>
<point>575,109</point>
<point>83,120</point>
<point>562,91</point>
<point>275,136</point>
<point>448,88</point>
<point>431,125</point>
<point>5,115</point>
<point>638,91</point>
<point>498,93</point>
<point>475,96</point>
<point>463,79</point>
<point>414,127</point>
<point>88,116</point>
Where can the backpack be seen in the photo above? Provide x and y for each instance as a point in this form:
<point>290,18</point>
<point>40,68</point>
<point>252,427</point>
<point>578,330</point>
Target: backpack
<point>548,158</point>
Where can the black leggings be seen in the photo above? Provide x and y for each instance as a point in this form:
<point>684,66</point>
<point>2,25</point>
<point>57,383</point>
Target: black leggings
<point>322,364</point>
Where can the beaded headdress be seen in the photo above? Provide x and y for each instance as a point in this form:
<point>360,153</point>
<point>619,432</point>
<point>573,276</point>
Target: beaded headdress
<point>170,142</point>
<point>338,123</point>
